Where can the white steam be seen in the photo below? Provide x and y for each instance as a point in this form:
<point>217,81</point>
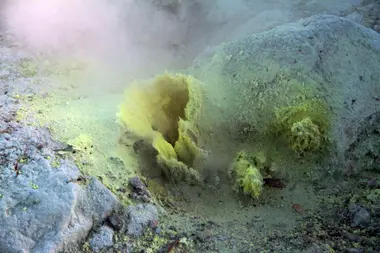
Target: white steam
<point>126,34</point>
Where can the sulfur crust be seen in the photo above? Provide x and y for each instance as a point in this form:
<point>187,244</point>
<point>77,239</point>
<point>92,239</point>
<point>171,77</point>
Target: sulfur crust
<point>246,175</point>
<point>163,111</point>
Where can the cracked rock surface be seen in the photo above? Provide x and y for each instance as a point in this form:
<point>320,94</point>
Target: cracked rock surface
<point>46,205</point>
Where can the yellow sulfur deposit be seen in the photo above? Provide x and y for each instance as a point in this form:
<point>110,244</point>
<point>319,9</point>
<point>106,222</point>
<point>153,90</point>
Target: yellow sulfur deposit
<point>304,125</point>
<point>163,112</point>
<point>247,176</point>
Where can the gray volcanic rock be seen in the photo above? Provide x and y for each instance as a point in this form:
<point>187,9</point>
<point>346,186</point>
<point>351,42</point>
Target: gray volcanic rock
<point>46,205</point>
<point>45,208</point>
<point>246,80</point>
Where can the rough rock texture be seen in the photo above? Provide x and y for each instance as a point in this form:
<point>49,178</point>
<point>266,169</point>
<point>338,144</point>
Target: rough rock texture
<point>141,216</point>
<point>244,80</point>
<point>45,203</point>
<point>102,239</point>
<point>139,190</point>
<point>360,217</point>
<point>364,153</point>
<point>44,208</point>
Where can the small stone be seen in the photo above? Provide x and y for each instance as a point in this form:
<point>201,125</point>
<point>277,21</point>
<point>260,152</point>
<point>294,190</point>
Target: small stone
<point>102,239</point>
<point>204,236</point>
<point>154,224</point>
<point>116,221</point>
<point>140,191</point>
<point>140,216</point>
<point>360,217</point>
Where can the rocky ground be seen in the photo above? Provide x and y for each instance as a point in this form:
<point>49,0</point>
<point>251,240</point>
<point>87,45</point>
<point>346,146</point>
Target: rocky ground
<point>53,201</point>
<point>47,204</point>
